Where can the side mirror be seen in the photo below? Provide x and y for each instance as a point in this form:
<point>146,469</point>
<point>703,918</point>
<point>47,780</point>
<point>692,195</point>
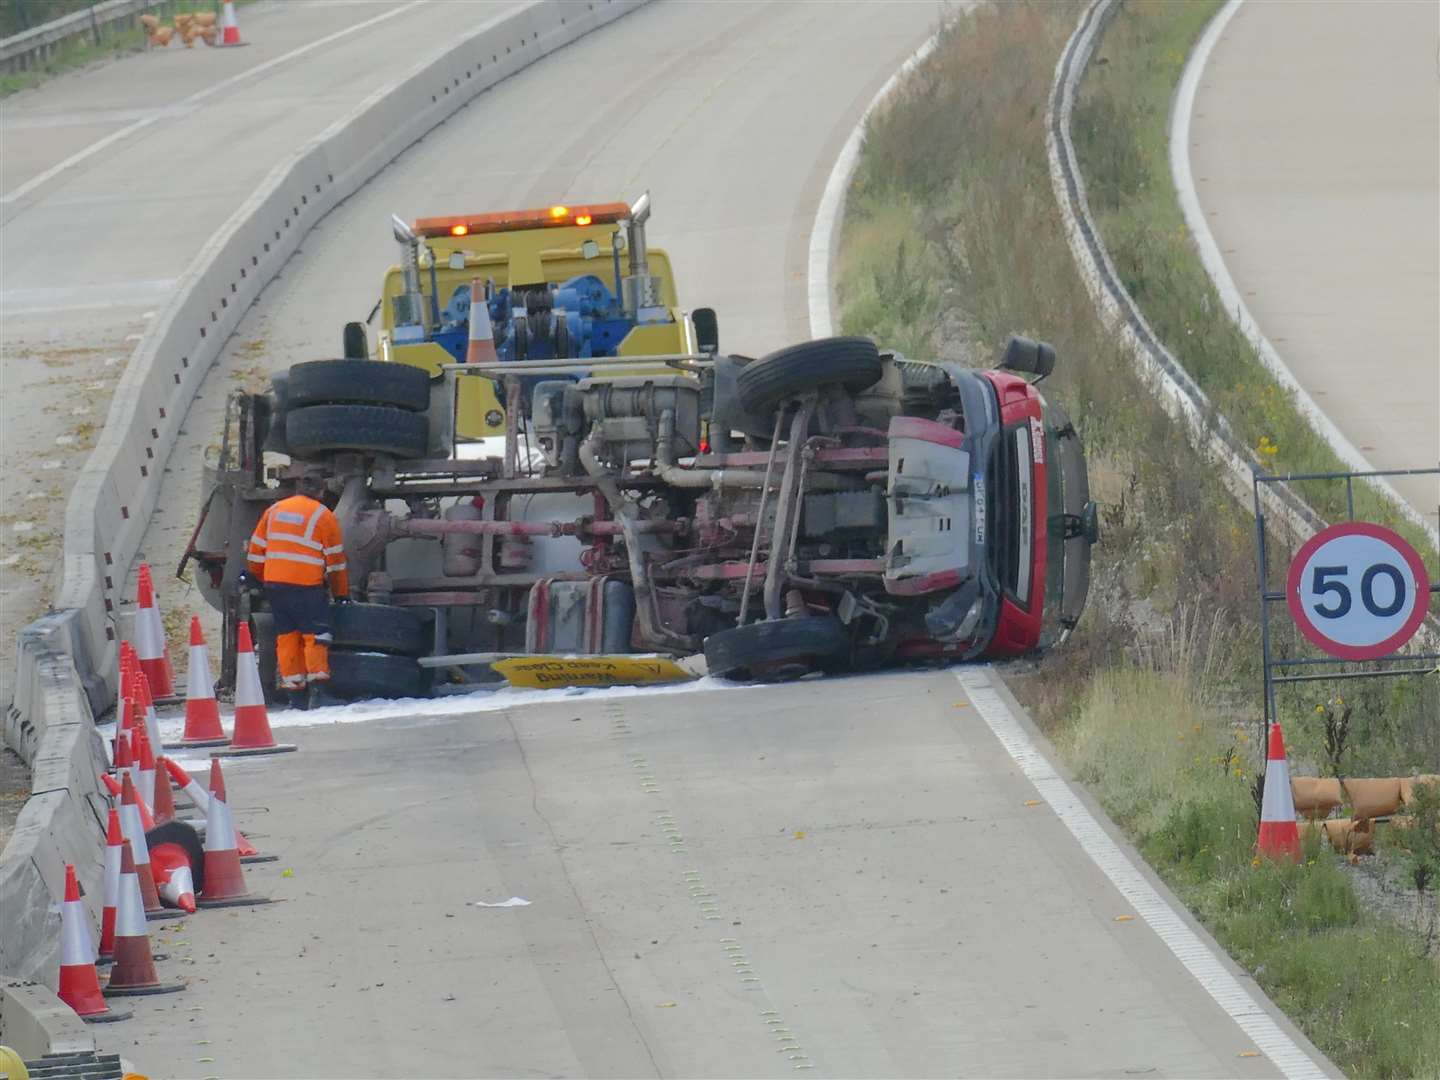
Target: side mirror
<point>357,344</point>
<point>1028,357</point>
<point>707,330</point>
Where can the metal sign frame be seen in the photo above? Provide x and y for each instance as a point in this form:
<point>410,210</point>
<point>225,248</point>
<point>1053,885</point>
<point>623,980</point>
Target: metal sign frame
<point>1323,668</point>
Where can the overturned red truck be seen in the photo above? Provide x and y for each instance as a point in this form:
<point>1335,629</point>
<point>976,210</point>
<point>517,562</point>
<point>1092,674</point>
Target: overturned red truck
<point>827,507</point>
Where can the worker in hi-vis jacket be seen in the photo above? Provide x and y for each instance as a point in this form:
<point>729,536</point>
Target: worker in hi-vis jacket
<point>298,552</point>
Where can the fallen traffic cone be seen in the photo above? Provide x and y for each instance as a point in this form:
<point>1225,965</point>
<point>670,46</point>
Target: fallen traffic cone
<point>223,876</point>
<point>113,839</point>
<point>112,785</point>
<point>1279,835</point>
<point>133,970</point>
<point>145,760</point>
<point>79,982</point>
<point>177,857</point>
<point>201,798</point>
<point>134,833</point>
<point>202,711</point>
<point>150,647</point>
<point>481,346</point>
<point>251,734</point>
<point>229,28</point>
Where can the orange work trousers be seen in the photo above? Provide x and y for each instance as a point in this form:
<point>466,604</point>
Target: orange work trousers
<point>302,660</point>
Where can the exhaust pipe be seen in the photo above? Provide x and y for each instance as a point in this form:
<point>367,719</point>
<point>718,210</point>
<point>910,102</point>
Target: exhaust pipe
<point>409,305</point>
<point>640,291</point>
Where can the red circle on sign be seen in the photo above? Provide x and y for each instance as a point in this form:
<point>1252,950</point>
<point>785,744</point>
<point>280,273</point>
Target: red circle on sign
<point>1314,634</point>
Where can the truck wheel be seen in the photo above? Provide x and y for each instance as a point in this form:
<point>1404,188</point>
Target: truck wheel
<point>377,429</point>
<point>263,623</point>
<point>853,362</point>
<point>358,382</point>
<point>379,628</point>
<point>778,650</point>
<point>360,675</point>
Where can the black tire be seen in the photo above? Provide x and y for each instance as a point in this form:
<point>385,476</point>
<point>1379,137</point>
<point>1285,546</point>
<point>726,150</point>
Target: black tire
<point>358,382</point>
<point>378,429</point>
<point>853,362</point>
<point>378,628</point>
<point>357,676</point>
<point>779,649</point>
<point>263,625</point>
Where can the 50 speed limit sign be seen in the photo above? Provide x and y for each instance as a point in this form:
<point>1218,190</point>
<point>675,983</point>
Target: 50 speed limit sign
<point>1358,591</point>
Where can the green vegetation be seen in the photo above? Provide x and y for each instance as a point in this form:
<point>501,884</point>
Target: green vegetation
<point>106,43</point>
<point>953,241</point>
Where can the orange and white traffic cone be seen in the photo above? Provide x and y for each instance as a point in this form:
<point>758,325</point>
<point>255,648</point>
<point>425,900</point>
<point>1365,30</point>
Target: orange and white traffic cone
<point>1279,835</point>
<point>201,798</point>
<point>164,808</point>
<point>127,658</point>
<point>251,733</point>
<point>224,878</point>
<point>176,855</point>
<point>133,969</point>
<point>112,785</point>
<point>229,28</point>
<point>149,718</point>
<point>202,711</point>
<point>79,981</point>
<point>134,833</point>
<point>111,898</point>
<point>481,347</point>
<point>124,758</point>
<point>145,763</point>
<point>150,647</point>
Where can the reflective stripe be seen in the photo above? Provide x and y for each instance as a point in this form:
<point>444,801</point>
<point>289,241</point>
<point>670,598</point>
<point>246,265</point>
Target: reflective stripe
<point>259,541</point>
<point>318,676</point>
<point>325,639</point>
<point>289,517</point>
<point>256,558</point>
<point>336,568</point>
<point>336,550</point>
<point>292,682</point>
<point>310,560</point>
<point>314,545</point>
<point>314,521</point>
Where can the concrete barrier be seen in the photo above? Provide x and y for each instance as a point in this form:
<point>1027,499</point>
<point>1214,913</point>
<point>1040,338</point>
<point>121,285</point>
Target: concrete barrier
<point>66,662</point>
<point>34,1022</point>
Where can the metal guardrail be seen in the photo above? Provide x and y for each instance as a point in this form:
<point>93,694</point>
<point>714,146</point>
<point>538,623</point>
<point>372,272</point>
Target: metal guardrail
<point>30,48</point>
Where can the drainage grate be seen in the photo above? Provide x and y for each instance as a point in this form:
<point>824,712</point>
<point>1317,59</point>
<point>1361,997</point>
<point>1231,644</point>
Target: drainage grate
<point>86,1066</point>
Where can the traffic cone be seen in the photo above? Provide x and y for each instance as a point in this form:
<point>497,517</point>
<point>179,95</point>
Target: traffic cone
<point>133,970</point>
<point>251,733</point>
<point>202,711</point>
<point>1279,835</point>
<point>145,763</point>
<point>224,878</point>
<point>164,806</point>
<point>134,770</point>
<point>123,758</point>
<point>134,833</point>
<point>148,718</point>
<point>229,28</point>
<point>127,658</point>
<point>113,839</point>
<point>150,647</point>
<point>112,785</point>
<point>176,855</point>
<point>79,982</point>
<point>481,346</point>
<point>201,798</point>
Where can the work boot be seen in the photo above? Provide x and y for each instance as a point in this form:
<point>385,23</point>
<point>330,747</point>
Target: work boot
<point>321,697</point>
<point>298,699</point>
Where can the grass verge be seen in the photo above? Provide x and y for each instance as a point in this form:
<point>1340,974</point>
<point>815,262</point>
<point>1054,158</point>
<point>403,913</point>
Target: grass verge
<point>952,241</point>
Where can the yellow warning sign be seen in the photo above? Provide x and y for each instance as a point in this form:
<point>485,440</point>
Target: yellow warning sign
<point>541,672</point>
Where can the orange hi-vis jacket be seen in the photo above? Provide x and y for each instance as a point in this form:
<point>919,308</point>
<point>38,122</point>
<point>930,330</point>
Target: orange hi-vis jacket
<point>298,542</point>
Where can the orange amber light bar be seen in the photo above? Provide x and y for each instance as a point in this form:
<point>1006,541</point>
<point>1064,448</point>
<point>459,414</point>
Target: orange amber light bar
<point>516,220</point>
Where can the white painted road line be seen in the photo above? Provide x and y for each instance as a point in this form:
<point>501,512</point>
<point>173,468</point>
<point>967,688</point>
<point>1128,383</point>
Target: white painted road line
<point>832,201</point>
<point>1230,295</point>
<point>1199,959</point>
<point>94,148</point>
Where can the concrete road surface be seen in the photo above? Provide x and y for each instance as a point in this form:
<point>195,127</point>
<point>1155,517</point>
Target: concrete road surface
<point>111,180</point>
<point>845,878</point>
<point>1316,153</point>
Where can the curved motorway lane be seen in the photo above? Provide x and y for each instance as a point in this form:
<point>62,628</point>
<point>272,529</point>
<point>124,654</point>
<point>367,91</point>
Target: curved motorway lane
<point>851,877</point>
<point>1316,155</point>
